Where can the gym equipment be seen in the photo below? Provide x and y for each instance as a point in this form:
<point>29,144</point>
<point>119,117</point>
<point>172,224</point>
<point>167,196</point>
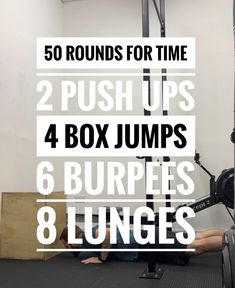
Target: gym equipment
<point>228,252</point>
<point>151,272</point>
<point>225,187</point>
<point>221,190</point>
<point>228,258</point>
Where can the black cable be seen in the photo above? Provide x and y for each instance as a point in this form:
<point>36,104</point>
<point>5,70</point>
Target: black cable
<point>229,212</point>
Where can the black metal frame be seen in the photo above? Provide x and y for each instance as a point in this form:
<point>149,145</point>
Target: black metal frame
<point>146,77</point>
<point>146,71</point>
<point>151,272</point>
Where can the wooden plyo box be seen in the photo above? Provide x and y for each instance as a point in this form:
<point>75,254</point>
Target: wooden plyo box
<point>19,225</point>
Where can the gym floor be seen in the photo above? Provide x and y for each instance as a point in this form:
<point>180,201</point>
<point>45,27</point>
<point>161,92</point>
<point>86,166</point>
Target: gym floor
<point>66,271</point>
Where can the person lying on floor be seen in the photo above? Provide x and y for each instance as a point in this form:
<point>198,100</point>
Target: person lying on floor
<point>206,241</point>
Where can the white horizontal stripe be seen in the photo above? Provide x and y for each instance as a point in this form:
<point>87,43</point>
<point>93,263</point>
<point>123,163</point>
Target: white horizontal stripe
<point>115,250</point>
<point>52,74</point>
<point>115,200</point>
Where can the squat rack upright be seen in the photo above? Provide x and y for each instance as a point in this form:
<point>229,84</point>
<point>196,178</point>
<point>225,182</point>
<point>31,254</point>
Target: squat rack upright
<point>147,75</point>
<point>151,272</point>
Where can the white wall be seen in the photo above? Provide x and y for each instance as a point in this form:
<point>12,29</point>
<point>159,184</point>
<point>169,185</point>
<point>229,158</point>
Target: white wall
<point>20,23</point>
<point>211,23</point>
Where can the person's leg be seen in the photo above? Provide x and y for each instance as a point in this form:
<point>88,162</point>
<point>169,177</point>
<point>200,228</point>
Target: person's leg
<point>209,233</point>
<point>208,244</point>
